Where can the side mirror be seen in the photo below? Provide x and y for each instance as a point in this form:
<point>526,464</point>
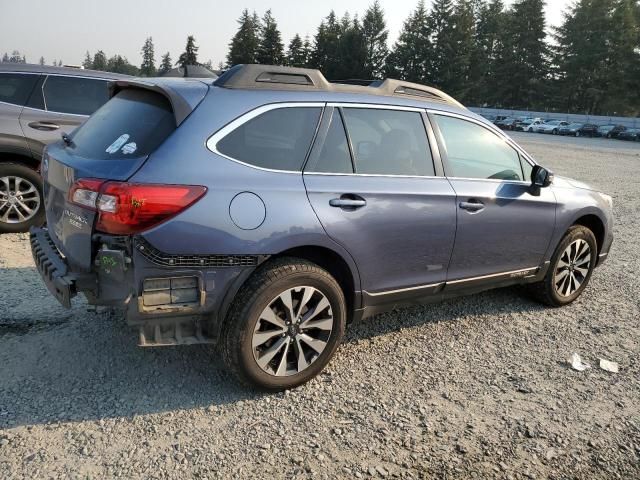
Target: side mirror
<point>541,177</point>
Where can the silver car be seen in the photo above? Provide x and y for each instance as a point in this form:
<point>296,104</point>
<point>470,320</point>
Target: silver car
<point>37,105</point>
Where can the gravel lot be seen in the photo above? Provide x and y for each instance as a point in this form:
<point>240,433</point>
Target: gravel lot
<point>472,388</point>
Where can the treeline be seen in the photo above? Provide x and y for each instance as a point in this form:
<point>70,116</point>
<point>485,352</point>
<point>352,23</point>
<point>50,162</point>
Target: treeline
<point>479,51</point>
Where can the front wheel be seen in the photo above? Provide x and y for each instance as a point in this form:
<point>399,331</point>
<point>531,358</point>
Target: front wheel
<point>21,203</point>
<point>577,134</point>
<point>284,325</point>
<point>571,267</point>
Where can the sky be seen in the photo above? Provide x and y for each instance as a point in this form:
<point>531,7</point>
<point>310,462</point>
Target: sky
<point>66,29</point>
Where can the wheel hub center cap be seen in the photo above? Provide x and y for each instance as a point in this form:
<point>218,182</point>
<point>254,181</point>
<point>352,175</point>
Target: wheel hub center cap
<point>293,330</point>
<point>12,199</point>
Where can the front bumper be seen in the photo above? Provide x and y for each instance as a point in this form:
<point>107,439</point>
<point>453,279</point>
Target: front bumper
<point>54,270</point>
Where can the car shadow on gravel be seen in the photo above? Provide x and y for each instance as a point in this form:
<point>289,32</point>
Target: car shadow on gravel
<point>90,368</point>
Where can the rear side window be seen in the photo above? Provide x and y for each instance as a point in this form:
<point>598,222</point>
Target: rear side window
<point>389,142</point>
<point>79,96</point>
<point>475,152</point>
<point>132,124</point>
<point>278,139</point>
<point>16,87</point>
<point>334,156</point>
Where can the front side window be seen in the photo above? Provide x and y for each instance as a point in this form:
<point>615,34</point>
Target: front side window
<point>475,152</point>
<point>78,96</point>
<point>389,142</point>
<point>278,139</point>
<point>16,87</point>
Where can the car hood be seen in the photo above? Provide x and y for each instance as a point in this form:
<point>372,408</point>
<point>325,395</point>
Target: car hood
<point>566,182</point>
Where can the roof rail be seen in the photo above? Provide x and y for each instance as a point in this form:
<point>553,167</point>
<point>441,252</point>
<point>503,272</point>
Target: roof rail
<point>270,77</point>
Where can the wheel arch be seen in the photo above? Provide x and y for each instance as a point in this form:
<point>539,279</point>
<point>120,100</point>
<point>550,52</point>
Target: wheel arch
<point>594,223</point>
<point>20,159</point>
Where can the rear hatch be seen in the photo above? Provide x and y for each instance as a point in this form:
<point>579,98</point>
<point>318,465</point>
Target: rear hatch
<point>112,145</point>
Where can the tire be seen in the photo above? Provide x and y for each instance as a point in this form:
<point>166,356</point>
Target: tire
<point>259,303</point>
<point>609,135</point>
<point>554,132</point>
<point>577,134</point>
<point>552,290</point>
<point>27,204</point>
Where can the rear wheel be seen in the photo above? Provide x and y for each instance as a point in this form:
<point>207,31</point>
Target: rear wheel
<point>21,203</point>
<point>284,325</point>
<point>577,134</point>
<point>571,267</point>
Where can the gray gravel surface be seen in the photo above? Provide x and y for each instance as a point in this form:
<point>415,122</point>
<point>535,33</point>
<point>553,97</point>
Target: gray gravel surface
<point>472,388</point>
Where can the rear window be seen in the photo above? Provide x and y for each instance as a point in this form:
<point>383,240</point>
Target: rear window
<point>16,87</point>
<point>130,125</point>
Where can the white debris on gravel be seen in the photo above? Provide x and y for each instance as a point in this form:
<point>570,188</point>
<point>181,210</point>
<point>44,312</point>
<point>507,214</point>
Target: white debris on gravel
<point>577,364</point>
<point>469,388</point>
<point>608,366</point>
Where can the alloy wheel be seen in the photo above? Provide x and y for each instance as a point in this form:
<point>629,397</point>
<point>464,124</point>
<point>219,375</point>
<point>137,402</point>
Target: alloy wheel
<point>292,331</point>
<point>19,200</point>
<point>572,268</point>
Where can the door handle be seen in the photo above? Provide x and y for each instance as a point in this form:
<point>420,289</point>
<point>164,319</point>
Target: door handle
<point>472,206</point>
<point>348,202</point>
<point>45,126</point>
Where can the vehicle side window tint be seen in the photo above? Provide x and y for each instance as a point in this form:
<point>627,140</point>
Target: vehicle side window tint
<point>278,139</point>
<point>36,99</point>
<point>476,152</point>
<point>79,96</point>
<point>389,142</point>
<point>334,157</point>
<point>15,88</point>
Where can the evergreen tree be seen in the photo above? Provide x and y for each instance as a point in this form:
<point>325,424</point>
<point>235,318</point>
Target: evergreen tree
<point>245,43</point>
<point>522,66</point>
<point>326,45</point>
<point>489,27</point>
<point>459,82</point>
<point>87,62</point>
<point>442,24</point>
<point>165,64</point>
<point>270,49</point>
<point>148,66</point>
<point>190,54</point>
<point>120,64</point>
<point>99,61</point>
<point>408,59</point>
<point>352,51</point>
<point>296,53</point>
<point>375,33</point>
<point>17,58</point>
<point>5,57</point>
<point>41,61</point>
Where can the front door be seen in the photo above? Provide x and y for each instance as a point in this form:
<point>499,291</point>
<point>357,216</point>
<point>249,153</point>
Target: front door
<point>504,225</point>
<point>372,183</point>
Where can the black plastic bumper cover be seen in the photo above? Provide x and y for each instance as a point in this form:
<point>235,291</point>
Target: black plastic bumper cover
<point>52,267</point>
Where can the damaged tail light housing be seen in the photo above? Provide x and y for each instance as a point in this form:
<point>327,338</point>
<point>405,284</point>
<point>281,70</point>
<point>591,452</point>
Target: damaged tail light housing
<point>127,208</point>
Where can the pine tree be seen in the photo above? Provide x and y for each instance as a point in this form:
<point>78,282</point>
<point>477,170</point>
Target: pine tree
<point>352,51</point>
<point>408,59</point>
<point>120,64</point>
<point>296,54</point>
<point>41,61</point>
<point>244,45</point>
<point>16,57</point>
<point>148,66</point>
<point>442,24</point>
<point>374,30</point>
<point>326,44</point>
<point>87,62</point>
<point>99,61</point>
<point>270,49</point>
<point>459,81</point>
<point>190,54</point>
<point>489,27</point>
<point>165,64</point>
<point>5,57</point>
<point>582,57</point>
<point>522,66</point>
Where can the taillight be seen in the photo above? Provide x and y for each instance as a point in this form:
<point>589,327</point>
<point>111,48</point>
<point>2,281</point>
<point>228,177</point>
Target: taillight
<point>128,208</point>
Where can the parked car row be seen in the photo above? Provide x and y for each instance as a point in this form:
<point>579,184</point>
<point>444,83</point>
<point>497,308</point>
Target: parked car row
<point>562,127</point>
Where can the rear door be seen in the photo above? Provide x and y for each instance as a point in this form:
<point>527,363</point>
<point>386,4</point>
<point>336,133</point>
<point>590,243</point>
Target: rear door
<point>504,225</point>
<point>372,181</point>
<point>60,104</point>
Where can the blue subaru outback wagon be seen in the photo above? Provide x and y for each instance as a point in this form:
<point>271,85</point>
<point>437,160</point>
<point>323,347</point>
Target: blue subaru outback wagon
<point>266,210</point>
